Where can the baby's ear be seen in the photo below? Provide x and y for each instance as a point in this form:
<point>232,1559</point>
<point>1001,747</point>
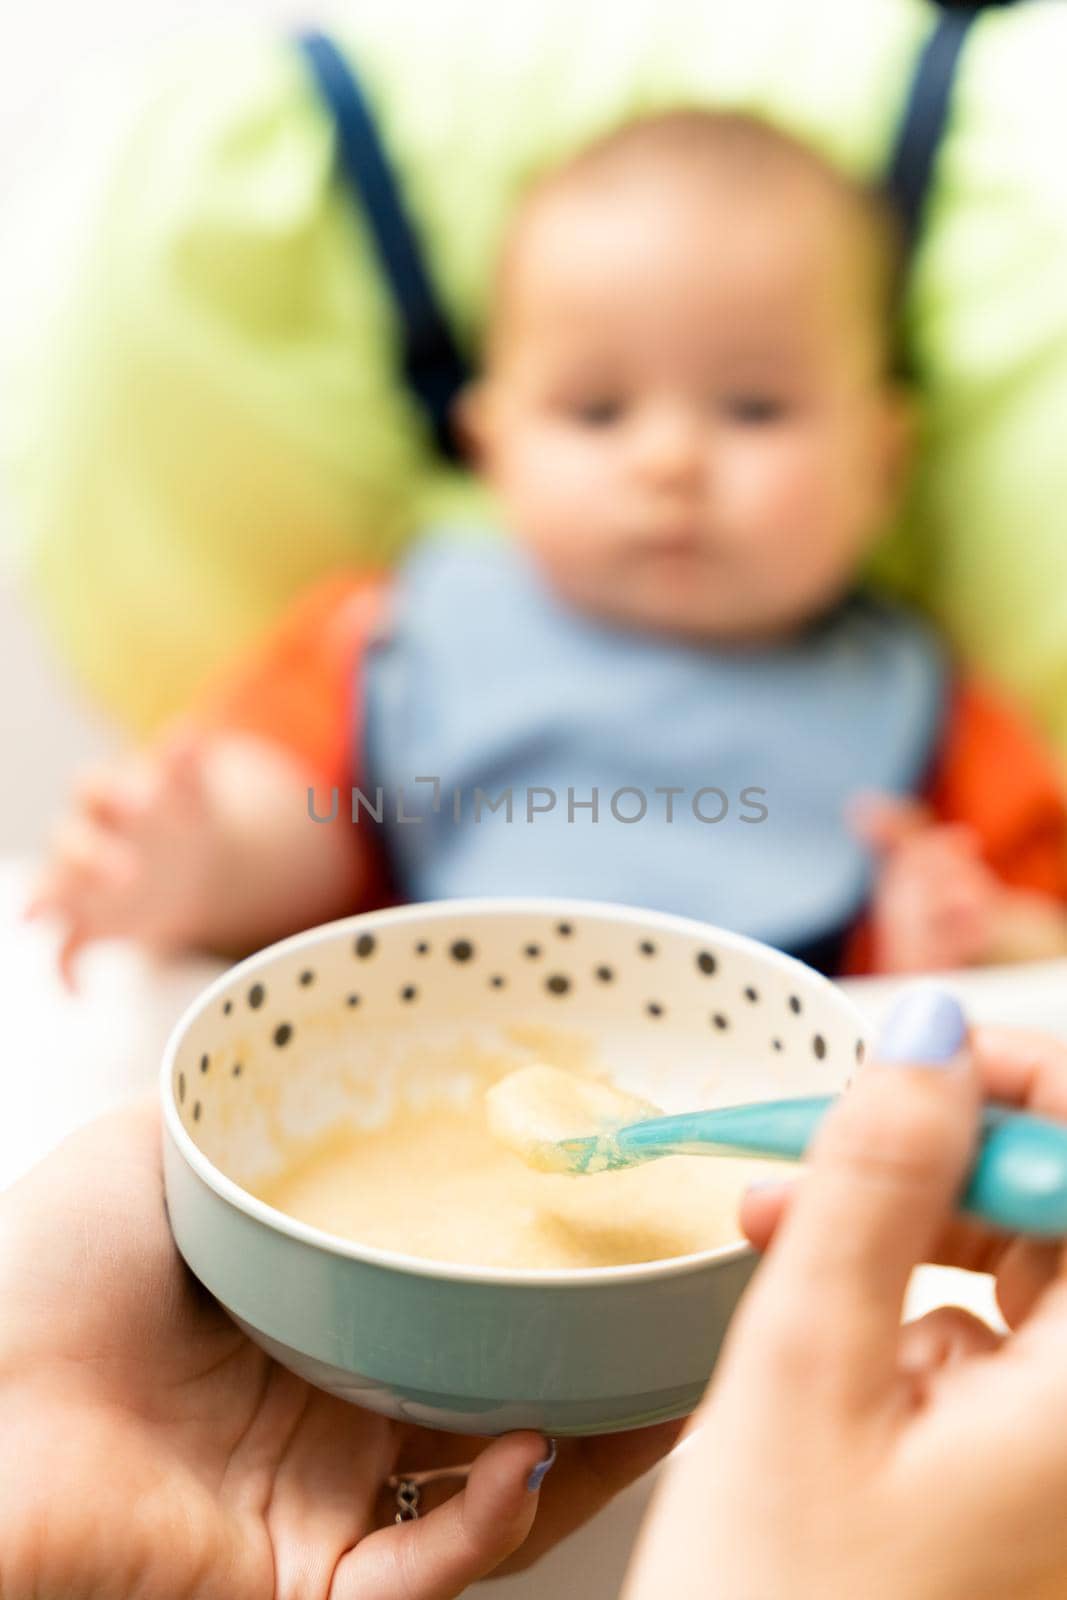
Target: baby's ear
<point>471,421</point>
<point>899,428</point>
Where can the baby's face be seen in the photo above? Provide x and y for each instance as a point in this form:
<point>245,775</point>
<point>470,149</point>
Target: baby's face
<point>686,416</point>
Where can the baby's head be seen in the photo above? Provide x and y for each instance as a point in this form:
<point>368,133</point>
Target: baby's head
<point>688,412</point>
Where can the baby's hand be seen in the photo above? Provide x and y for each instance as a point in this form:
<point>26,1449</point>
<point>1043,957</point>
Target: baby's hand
<point>131,858</point>
<point>936,903</point>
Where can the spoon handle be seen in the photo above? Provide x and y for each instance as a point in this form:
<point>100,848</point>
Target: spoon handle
<point>1018,1181</point>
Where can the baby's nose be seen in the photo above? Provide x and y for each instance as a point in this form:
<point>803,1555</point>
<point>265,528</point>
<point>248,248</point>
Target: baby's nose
<point>670,451</point>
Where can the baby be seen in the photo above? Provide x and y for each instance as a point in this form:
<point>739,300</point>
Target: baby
<point>663,686</point>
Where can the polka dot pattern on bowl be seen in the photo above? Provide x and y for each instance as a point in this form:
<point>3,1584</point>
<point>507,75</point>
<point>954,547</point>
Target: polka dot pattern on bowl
<point>410,970</point>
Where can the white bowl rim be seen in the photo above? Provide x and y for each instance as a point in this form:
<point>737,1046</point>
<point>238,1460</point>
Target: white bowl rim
<point>423,911</point>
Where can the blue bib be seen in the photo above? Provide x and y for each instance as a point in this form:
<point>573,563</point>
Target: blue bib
<point>719,776</point>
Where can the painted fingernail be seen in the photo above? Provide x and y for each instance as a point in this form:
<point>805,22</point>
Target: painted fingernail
<point>537,1476</point>
<point>925,1027</point>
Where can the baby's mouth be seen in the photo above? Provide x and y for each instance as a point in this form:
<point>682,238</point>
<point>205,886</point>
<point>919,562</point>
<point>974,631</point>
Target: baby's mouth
<point>683,546</point>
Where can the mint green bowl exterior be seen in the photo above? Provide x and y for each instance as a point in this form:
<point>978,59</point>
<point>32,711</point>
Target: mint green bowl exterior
<point>478,1349</point>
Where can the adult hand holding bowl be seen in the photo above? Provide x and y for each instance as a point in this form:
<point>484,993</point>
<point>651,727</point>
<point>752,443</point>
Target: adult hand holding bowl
<point>149,1448</point>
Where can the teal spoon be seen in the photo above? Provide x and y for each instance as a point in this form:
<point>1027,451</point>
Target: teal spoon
<point>1018,1181</point>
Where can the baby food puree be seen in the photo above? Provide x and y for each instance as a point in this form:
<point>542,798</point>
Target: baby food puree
<point>454,1182</point>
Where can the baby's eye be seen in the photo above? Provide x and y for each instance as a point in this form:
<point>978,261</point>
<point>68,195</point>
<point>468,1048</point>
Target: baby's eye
<point>598,412</point>
<point>753,409</point>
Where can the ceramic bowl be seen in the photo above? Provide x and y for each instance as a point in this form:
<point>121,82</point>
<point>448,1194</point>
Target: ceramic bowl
<point>312,1031</point>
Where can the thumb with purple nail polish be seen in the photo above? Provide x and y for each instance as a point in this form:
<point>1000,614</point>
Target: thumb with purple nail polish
<point>924,1026</point>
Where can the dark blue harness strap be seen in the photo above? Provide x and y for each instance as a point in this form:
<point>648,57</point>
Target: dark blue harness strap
<point>432,364</point>
<point>912,164</point>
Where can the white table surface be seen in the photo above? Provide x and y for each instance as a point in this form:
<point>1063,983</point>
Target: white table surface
<point>70,1058</point>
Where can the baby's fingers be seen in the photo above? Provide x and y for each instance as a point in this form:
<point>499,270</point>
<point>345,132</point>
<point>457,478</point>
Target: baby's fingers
<point>111,799</point>
<point>73,939</point>
<point>178,761</point>
<point>81,850</point>
<point>51,894</point>
<point>438,1556</point>
<point>82,889</point>
<point>49,900</point>
<point>886,821</point>
<point>87,866</point>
